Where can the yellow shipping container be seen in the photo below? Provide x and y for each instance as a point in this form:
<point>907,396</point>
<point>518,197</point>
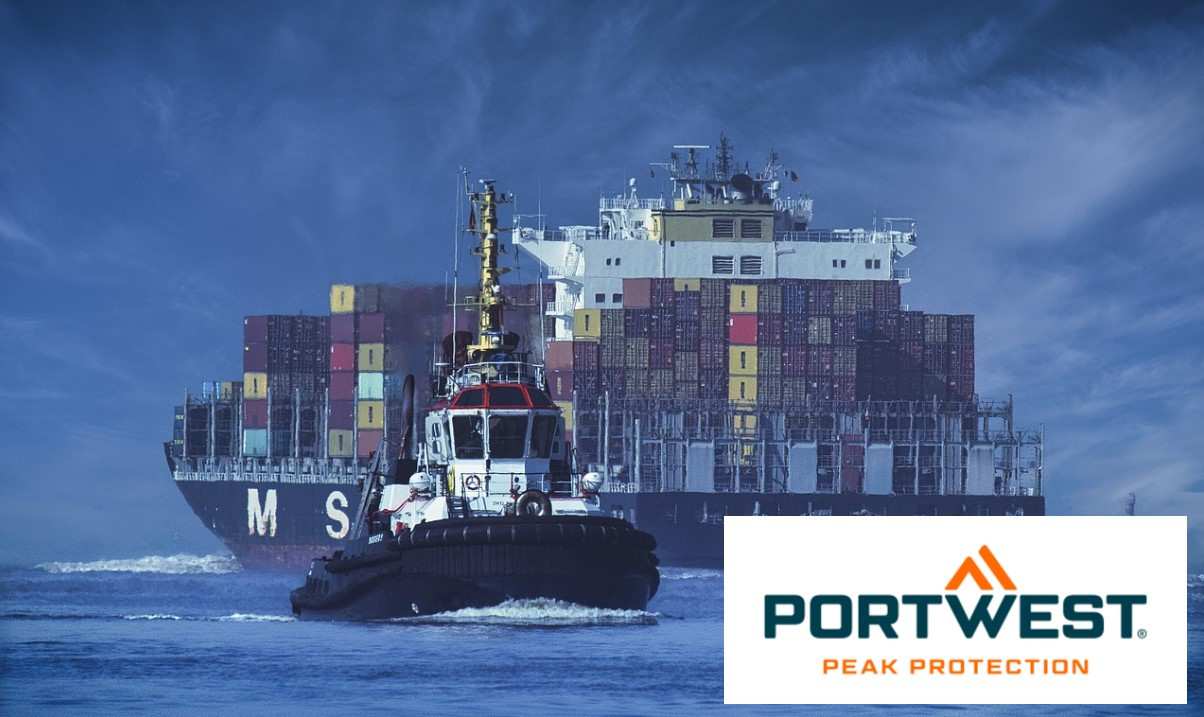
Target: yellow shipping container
<point>372,357</point>
<point>587,322</point>
<point>255,385</point>
<point>687,284</point>
<point>744,299</point>
<point>342,444</point>
<point>370,414</point>
<point>742,360</point>
<point>566,408</point>
<point>742,388</point>
<point>342,298</point>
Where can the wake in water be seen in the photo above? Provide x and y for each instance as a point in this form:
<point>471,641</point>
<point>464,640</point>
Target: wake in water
<point>536,612</point>
<point>182,564</point>
<point>689,573</point>
<point>236,617</point>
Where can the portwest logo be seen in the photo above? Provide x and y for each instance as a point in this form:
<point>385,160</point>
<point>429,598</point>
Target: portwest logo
<point>845,616</point>
<point>954,610</point>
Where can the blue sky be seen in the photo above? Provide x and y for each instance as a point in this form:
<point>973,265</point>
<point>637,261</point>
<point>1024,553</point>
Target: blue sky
<point>166,168</point>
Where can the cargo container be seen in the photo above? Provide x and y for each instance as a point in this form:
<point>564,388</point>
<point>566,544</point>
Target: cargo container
<point>255,384</point>
<point>370,357</point>
<point>342,299</point>
<point>370,386</point>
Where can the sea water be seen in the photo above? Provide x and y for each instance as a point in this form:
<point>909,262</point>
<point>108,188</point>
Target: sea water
<point>191,635</point>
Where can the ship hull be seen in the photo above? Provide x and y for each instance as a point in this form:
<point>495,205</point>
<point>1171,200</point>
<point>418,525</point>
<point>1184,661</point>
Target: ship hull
<point>449,565</point>
<point>689,525</point>
<point>274,524</point>
<point>283,525</point>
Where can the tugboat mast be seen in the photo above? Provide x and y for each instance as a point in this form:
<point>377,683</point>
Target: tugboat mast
<point>492,338</point>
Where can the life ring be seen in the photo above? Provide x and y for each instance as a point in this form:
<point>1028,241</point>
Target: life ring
<point>472,482</point>
<point>533,502</point>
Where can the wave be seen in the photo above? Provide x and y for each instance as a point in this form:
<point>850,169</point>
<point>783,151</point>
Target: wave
<point>689,573</point>
<point>251,617</point>
<point>151,617</point>
<point>182,564</point>
<point>236,617</point>
<point>535,612</point>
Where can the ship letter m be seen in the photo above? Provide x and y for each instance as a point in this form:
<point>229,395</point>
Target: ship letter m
<point>261,519</point>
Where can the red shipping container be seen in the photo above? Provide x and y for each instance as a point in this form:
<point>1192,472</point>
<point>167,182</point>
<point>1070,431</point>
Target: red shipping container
<point>255,329</point>
<point>342,328</point>
<point>342,415</point>
<point>368,441</point>
<point>255,413</point>
<point>560,385</point>
<point>342,357</point>
<point>637,293</point>
<point>255,357</point>
<point>371,328</point>
<point>850,480</point>
<point>558,355</point>
<point>342,385</point>
<point>742,329</point>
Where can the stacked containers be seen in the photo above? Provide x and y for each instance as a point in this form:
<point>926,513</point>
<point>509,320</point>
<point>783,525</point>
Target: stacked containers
<point>713,321</point>
<point>340,420</point>
<point>742,347</point>
<point>770,340</point>
<point>255,382</point>
<point>285,365</point>
<point>961,357</point>
<point>358,411</point>
<point>370,380</point>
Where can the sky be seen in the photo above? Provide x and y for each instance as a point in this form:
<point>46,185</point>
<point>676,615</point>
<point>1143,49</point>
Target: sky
<point>169,167</point>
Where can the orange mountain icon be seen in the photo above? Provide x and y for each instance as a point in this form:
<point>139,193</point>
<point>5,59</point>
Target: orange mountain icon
<point>969,567</point>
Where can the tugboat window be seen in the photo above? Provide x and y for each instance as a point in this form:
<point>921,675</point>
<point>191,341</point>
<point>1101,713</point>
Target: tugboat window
<point>506,434</point>
<point>507,396</point>
<point>471,398</point>
<point>468,432</point>
<point>542,429</point>
<point>539,399</point>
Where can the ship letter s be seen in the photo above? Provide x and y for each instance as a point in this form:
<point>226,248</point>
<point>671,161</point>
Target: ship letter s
<point>335,503</point>
<point>261,519</point>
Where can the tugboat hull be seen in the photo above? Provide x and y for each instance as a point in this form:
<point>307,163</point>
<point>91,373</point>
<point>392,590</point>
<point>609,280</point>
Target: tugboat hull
<point>453,564</point>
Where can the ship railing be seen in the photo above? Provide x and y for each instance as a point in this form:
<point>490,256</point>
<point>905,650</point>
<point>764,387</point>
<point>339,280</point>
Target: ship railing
<point>476,374</point>
<point>631,203</point>
<point>571,233</point>
<point>901,273</point>
<point>560,308</point>
<point>506,482</point>
<point>845,236</point>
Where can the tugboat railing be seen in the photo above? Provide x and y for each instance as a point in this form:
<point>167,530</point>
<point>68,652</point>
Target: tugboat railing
<point>476,374</point>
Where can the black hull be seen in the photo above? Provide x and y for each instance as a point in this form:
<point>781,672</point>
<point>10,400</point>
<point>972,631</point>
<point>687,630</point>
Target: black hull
<point>689,526</point>
<point>454,564</point>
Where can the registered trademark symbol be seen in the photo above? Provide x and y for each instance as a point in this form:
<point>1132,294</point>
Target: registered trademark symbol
<point>1141,634</point>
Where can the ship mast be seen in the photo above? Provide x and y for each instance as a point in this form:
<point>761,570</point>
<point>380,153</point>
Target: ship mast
<point>492,338</point>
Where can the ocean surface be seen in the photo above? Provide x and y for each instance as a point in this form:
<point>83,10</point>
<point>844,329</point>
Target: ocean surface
<point>189,635</point>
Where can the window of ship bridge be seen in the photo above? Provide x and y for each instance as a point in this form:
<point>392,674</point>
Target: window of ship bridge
<point>543,427</point>
<point>468,433</point>
<point>506,435</point>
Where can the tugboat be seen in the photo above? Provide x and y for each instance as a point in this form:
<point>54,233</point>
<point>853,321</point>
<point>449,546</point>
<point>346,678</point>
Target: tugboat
<point>488,508</point>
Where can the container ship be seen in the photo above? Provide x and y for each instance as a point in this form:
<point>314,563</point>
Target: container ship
<point>712,353</point>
